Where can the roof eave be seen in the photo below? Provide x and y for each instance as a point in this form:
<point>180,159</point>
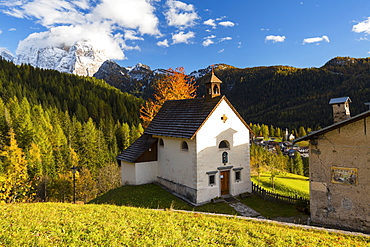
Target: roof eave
<point>332,127</point>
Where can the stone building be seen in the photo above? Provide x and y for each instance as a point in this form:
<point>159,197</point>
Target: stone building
<point>197,148</point>
<point>340,172</point>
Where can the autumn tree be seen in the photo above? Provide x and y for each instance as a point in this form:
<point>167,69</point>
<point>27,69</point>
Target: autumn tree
<point>174,85</point>
<point>15,184</point>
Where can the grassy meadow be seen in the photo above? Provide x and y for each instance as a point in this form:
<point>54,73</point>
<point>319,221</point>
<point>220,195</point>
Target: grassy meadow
<point>57,224</point>
<point>285,184</point>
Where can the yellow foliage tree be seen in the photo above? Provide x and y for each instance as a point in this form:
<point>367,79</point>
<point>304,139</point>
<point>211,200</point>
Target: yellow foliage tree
<point>174,85</point>
<point>15,185</point>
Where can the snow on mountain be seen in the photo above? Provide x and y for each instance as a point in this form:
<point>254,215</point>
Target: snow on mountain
<point>6,54</point>
<point>80,59</point>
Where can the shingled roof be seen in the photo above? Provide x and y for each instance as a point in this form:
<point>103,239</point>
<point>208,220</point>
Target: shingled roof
<point>133,152</point>
<point>183,118</point>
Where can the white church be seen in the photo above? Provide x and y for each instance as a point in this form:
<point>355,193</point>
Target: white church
<point>196,148</point>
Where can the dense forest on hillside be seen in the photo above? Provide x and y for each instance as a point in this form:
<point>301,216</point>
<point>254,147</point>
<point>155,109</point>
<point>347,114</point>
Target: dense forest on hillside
<point>291,97</point>
<point>50,122</point>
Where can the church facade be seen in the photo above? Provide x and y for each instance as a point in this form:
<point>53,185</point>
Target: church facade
<point>197,148</point>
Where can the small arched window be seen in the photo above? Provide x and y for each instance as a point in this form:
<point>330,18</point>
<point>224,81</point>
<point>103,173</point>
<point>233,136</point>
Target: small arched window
<point>224,145</point>
<point>184,146</point>
<point>161,143</point>
<point>216,90</point>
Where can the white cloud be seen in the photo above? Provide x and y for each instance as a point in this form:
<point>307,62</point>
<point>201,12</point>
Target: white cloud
<point>182,37</point>
<point>362,27</point>
<point>133,14</point>
<point>1,32</point>
<point>97,34</point>
<point>163,43</point>
<point>180,14</point>
<point>221,51</point>
<point>131,35</point>
<point>316,40</point>
<point>210,22</point>
<point>12,29</point>
<point>226,38</point>
<point>48,12</point>
<point>207,42</point>
<point>210,37</point>
<point>275,38</point>
<point>226,23</point>
<point>107,24</point>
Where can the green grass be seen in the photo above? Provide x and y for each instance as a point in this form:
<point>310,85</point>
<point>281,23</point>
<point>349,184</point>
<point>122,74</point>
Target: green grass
<point>57,224</point>
<point>285,184</point>
<point>153,196</point>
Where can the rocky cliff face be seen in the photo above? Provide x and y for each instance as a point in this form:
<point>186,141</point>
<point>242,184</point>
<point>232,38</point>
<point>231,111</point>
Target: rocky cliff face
<point>80,59</point>
<point>136,80</point>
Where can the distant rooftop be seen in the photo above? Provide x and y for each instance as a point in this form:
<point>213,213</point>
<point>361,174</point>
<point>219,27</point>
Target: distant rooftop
<point>339,100</point>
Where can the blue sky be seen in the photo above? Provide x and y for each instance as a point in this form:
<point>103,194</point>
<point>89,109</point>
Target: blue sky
<point>194,34</point>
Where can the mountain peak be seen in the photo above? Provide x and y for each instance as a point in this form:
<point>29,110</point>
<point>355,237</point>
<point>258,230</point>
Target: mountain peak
<point>80,59</point>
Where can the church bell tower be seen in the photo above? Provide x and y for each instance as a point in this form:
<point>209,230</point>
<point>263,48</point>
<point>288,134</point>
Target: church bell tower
<point>213,87</point>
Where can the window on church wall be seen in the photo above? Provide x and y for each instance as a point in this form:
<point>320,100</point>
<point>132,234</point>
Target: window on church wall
<point>184,146</point>
<point>238,174</point>
<point>212,180</point>
<point>224,145</point>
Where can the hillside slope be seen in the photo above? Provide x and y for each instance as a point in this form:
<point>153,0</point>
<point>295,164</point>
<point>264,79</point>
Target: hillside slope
<point>290,97</point>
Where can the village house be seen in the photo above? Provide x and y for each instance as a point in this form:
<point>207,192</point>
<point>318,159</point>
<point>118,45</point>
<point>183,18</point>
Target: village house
<point>340,170</point>
<point>197,148</point>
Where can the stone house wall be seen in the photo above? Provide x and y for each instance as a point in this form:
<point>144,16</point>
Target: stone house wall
<point>340,177</point>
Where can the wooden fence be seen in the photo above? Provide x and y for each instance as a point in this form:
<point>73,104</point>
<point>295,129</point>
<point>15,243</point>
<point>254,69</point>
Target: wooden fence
<point>270,196</point>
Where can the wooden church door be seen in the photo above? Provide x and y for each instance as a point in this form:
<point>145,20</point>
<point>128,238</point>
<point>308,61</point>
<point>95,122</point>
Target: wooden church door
<point>224,181</point>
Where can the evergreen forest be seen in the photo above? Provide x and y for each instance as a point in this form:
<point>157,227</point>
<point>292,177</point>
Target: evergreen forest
<point>51,122</point>
<point>291,97</point>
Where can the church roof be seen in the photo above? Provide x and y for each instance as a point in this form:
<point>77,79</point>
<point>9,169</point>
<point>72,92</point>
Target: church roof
<point>133,152</point>
<point>214,78</point>
<point>183,118</point>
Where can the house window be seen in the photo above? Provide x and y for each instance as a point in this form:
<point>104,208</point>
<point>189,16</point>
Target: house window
<point>161,143</point>
<point>224,145</point>
<point>184,146</point>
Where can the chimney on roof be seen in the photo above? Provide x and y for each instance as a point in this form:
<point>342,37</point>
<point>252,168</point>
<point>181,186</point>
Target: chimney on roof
<point>213,87</point>
<point>340,108</point>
